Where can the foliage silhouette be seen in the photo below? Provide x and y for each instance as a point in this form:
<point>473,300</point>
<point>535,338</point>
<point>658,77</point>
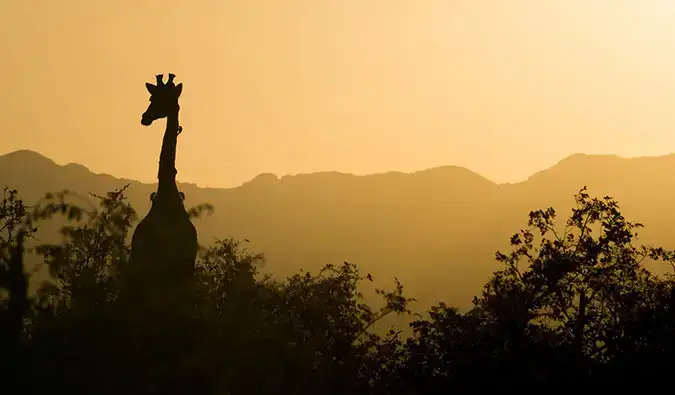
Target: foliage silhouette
<point>572,305</point>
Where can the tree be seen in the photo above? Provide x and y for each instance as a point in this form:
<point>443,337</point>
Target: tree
<point>571,305</point>
<point>238,324</point>
<point>559,312</point>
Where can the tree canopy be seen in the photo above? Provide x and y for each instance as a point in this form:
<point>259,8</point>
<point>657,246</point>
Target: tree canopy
<point>572,304</point>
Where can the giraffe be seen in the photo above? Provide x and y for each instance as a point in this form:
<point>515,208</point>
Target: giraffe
<point>164,244</point>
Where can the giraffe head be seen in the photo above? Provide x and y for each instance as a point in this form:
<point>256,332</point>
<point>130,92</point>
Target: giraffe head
<point>163,99</point>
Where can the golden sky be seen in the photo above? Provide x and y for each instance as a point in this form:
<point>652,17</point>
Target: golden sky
<point>503,87</point>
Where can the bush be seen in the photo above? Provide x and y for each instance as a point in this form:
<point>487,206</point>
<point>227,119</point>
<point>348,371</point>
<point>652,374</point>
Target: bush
<point>569,307</point>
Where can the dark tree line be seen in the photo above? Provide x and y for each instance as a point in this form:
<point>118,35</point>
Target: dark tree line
<point>572,308</point>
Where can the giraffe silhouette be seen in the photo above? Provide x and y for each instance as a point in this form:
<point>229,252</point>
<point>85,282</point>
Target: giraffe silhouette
<point>164,244</point>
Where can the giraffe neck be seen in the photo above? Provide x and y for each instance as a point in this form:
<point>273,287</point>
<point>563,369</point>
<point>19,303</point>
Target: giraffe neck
<point>167,157</point>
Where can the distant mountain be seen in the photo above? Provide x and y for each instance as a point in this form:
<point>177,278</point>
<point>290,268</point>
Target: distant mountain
<point>437,229</point>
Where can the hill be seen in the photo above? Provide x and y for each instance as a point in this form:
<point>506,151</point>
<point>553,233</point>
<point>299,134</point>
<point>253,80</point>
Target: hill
<point>437,229</point>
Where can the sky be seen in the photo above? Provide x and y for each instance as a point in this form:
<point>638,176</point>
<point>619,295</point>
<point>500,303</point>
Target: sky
<point>504,88</point>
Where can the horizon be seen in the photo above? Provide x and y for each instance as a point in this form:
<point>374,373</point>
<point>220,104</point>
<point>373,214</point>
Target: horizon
<point>280,176</point>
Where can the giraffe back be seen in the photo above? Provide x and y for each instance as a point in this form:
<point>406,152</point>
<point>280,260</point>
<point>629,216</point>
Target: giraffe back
<point>164,245</point>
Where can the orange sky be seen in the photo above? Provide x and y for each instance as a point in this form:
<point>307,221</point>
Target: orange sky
<point>504,88</point>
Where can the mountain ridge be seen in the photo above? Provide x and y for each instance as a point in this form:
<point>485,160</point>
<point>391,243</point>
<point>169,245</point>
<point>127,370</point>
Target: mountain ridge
<point>35,157</point>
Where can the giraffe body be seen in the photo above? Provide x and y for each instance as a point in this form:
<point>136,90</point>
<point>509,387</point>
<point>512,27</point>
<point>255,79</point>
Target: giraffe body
<point>164,245</point>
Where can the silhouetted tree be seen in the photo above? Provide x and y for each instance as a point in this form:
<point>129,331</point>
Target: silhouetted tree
<point>568,304</point>
<point>572,305</point>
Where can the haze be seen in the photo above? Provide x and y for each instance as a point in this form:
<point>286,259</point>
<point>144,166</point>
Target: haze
<point>503,88</point>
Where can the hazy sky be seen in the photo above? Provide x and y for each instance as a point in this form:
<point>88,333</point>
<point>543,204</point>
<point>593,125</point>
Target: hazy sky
<point>503,87</point>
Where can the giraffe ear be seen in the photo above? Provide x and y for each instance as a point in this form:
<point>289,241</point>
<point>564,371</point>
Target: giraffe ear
<point>151,88</point>
<point>179,90</point>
